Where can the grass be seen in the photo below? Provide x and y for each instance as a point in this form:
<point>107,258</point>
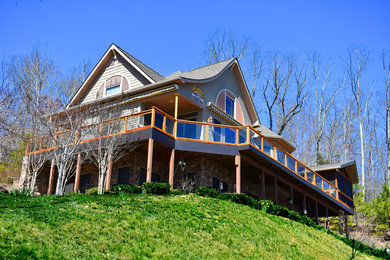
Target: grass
<point>148,226</point>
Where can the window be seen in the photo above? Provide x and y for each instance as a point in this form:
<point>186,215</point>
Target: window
<point>113,90</point>
<point>229,106</point>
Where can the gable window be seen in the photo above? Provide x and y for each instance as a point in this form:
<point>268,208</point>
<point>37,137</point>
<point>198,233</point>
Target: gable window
<point>113,90</point>
<point>112,86</point>
<point>229,106</point>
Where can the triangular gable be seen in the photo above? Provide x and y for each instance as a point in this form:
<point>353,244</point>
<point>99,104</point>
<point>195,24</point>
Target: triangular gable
<point>149,74</point>
<point>212,72</point>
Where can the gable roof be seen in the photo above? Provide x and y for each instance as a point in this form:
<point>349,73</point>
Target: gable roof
<point>146,71</point>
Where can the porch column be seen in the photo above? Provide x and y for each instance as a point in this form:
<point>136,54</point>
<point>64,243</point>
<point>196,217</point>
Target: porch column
<point>77,176</point>
<point>292,198</point>
<point>316,210</point>
<point>304,204</point>
<point>51,176</point>
<point>276,189</point>
<point>149,161</point>
<point>109,173</point>
<point>172,168</point>
<point>262,185</point>
<point>176,105</point>
<point>238,172</point>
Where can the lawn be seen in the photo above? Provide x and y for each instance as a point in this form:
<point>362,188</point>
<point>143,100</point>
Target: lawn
<point>149,226</point>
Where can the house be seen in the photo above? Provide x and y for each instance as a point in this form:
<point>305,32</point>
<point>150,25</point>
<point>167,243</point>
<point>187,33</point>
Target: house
<point>199,126</point>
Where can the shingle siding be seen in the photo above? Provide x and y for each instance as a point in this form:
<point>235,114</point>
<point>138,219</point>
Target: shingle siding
<point>134,78</point>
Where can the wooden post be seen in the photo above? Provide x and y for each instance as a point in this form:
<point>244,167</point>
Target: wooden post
<point>276,189</point>
<point>304,204</point>
<point>316,210</point>
<point>292,198</point>
<point>263,185</point>
<point>238,172</point>
<point>176,115</point>
<point>327,218</point>
<point>51,176</point>
<point>248,135</point>
<point>149,161</point>
<point>172,168</point>
<point>77,176</point>
<point>109,173</point>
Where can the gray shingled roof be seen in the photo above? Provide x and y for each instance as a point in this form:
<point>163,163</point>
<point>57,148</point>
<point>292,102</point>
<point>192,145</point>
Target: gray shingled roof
<point>147,70</point>
<point>349,166</point>
<point>202,73</point>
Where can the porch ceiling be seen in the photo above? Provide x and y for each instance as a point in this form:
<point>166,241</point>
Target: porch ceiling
<point>167,104</point>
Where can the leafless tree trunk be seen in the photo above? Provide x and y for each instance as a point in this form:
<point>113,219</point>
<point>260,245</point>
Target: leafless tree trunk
<point>356,65</point>
<point>386,70</point>
<point>323,101</point>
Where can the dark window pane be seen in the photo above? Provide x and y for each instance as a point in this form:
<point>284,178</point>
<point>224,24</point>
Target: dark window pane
<point>85,182</point>
<point>215,183</point>
<point>124,175</point>
<point>142,176</point>
<point>229,106</point>
<point>340,182</point>
<point>225,187</point>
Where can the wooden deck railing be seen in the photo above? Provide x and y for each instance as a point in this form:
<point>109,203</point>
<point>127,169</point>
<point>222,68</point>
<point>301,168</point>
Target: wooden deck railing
<point>199,132</point>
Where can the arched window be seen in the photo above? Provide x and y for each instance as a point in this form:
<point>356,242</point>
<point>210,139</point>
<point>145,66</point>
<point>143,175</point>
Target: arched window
<point>227,102</point>
<point>112,86</point>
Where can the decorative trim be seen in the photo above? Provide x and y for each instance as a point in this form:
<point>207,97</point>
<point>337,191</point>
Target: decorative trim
<point>223,114</point>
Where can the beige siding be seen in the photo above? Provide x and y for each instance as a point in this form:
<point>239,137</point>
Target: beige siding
<point>134,78</point>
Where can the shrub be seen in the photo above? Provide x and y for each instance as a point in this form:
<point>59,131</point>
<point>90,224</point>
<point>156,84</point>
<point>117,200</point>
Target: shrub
<point>92,191</point>
<point>127,188</point>
<point>176,192</point>
<point>21,192</point>
<point>241,199</point>
<point>206,192</point>
<point>159,188</point>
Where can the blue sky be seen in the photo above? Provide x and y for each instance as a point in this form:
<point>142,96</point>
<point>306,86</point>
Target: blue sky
<point>171,35</point>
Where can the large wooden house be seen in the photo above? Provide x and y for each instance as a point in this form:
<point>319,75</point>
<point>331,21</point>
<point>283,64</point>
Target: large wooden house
<point>200,125</point>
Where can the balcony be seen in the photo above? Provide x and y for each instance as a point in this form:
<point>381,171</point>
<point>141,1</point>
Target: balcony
<point>200,132</point>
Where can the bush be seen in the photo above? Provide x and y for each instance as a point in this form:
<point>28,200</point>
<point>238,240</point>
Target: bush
<point>92,191</point>
<point>241,199</point>
<point>21,192</point>
<point>159,188</point>
<point>127,188</point>
<point>206,192</point>
<point>176,192</point>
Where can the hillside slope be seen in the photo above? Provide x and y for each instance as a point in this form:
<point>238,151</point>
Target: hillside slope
<point>137,226</point>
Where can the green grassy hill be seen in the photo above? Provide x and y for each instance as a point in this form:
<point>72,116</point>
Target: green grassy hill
<point>148,226</point>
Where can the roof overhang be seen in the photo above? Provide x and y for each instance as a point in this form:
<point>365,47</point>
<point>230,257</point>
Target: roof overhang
<point>349,167</point>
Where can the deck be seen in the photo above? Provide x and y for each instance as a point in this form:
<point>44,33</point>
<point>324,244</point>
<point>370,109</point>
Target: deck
<point>203,137</point>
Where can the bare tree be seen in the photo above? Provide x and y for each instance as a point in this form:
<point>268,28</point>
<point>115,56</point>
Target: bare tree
<point>287,79</point>
<point>70,83</point>
<point>64,130</point>
<point>357,63</point>
<point>31,76</point>
<point>386,72</point>
<point>223,45</point>
<point>323,100</point>
<point>110,144</point>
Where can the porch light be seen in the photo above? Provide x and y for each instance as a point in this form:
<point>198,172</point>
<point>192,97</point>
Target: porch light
<point>182,165</point>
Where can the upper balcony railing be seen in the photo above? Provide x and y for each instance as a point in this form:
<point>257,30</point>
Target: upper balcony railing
<point>197,132</point>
